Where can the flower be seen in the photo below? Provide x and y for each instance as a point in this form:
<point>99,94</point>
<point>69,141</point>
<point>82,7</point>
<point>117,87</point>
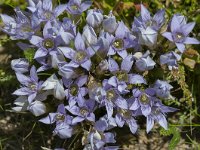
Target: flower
<point>179,33</point>
<point>76,7</point>
<point>53,83</point>
<point>19,27</point>
<point>20,65</point>
<point>170,59</point>
<point>30,85</point>
<point>75,90</point>
<point>122,76</point>
<point>80,56</point>
<point>144,62</point>
<point>94,17</point>
<point>83,111</point>
<point>110,23</point>
<point>63,122</point>
<point>43,11</point>
<point>162,89</point>
<point>158,114</point>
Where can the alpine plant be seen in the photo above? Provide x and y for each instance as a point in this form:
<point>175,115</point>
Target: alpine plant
<point>98,75</point>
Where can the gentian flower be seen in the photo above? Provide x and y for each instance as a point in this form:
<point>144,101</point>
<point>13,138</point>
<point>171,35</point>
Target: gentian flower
<point>19,27</point>
<point>53,83</point>
<point>30,85</point>
<point>80,56</point>
<point>110,98</point>
<point>180,33</point>
<point>145,62</point>
<point>122,75</point>
<point>170,59</point>
<point>98,138</point>
<point>126,116</point>
<point>43,11</point>
<point>38,108</point>
<point>84,111</point>
<point>145,20</point>
<point>110,24</point>
<point>120,42</point>
<point>76,7</point>
<point>94,17</point>
<point>162,89</point>
<point>158,114</point>
<point>142,100</point>
<point>46,45</point>
<point>63,122</point>
<point>20,65</point>
<point>75,90</point>
<point>89,36</point>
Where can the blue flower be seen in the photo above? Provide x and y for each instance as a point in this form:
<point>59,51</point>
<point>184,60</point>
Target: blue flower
<point>19,27</point>
<point>80,56</point>
<point>63,122</point>
<point>180,33</point>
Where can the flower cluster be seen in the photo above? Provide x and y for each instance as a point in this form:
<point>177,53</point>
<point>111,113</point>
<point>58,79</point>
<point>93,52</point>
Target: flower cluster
<point>97,78</point>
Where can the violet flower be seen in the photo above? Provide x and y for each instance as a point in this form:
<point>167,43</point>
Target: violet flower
<point>122,76</point>
<point>80,56</point>
<point>76,7</point>
<point>20,65</point>
<point>126,116</point>
<point>84,111</point>
<point>180,33</point>
<point>170,59</point>
<point>75,90</point>
<point>162,89</point>
<point>19,27</point>
<point>158,114</point>
<point>30,85</point>
<point>63,122</point>
<point>142,100</point>
<point>94,17</point>
<point>43,11</point>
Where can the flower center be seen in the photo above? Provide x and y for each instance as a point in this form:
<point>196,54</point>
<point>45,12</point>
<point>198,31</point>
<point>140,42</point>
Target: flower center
<point>80,56</point>
<point>179,37</point>
<point>126,113</point>
<point>74,89</point>
<point>26,28</point>
<point>118,43</point>
<point>60,117</point>
<point>111,95</point>
<point>144,99</point>
<point>32,86</point>
<point>74,7</point>
<point>48,43</point>
<point>83,111</point>
<point>151,23</point>
<point>122,76</point>
<point>48,15</point>
<point>156,111</point>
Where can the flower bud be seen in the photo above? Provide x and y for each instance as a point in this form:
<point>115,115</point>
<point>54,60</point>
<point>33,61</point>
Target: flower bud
<point>20,65</point>
<point>110,23</point>
<point>37,108</point>
<point>89,35</point>
<point>94,17</point>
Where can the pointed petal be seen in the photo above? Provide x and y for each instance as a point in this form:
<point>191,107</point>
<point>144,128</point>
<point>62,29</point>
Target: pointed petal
<point>40,53</point>
<point>79,43</point>
<point>113,66</point>
<point>127,63</point>
<point>145,14</point>
<point>181,47</point>
<point>168,35</point>
<point>87,64</point>
<point>189,40</point>
<point>150,123</point>
<point>187,28</point>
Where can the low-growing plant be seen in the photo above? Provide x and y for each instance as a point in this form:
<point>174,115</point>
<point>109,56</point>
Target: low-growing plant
<point>91,73</point>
